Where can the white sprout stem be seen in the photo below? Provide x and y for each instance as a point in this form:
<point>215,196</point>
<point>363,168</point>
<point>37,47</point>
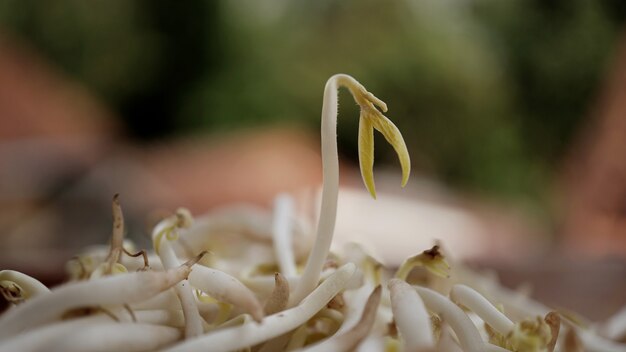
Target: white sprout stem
<point>37,339</point>
<point>371,118</point>
<point>164,300</point>
<point>111,336</point>
<point>282,234</point>
<point>466,332</point>
<point>411,317</point>
<point>274,325</point>
<point>355,303</point>
<point>128,337</point>
<point>482,307</point>
<point>351,338</point>
<point>106,291</point>
<point>31,286</point>
<point>516,304</point>
<point>193,320</point>
<point>615,327</point>
<point>173,318</point>
<point>226,288</point>
<point>330,191</point>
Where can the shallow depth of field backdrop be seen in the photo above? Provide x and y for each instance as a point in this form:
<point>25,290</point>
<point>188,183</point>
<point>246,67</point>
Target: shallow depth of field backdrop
<point>513,113</point>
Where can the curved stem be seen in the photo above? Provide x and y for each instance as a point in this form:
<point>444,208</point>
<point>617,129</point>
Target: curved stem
<point>370,118</point>
<point>468,335</point>
<point>193,320</point>
<point>252,333</point>
<point>482,307</point>
<point>330,191</point>
<point>226,288</point>
<point>106,291</point>
<point>410,316</point>
<point>351,338</point>
<point>31,287</point>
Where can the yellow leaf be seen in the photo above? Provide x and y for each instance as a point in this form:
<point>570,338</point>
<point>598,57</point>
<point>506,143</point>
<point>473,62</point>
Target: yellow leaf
<point>394,137</point>
<point>366,153</point>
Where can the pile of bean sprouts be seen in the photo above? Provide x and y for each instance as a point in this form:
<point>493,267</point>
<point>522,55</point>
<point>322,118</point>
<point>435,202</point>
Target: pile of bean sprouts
<point>247,279</point>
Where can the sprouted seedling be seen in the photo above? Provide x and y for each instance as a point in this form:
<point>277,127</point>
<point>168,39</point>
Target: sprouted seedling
<point>252,297</point>
<point>370,118</point>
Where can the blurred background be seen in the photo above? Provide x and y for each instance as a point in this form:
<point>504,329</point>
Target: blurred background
<point>514,114</point>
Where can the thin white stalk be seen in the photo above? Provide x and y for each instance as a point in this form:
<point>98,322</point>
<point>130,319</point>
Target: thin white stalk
<point>129,337</point>
<point>351,338</point>
<point>164,300</point>
<point>330,191</point>
<point>274,325</point>
<point>410,315</point>
<point>38,338</point>
<point>282,234</point>
<point>355,303</point>
<point>106,291</point>
<point>102,337</point>
<point>615,327</point>
<point>473,300</point>
<point>193,320</point>
<point>226,288</point>
<point>465,330</point>
<point>30,286</point>
<point>173,318</point>
<point>517,305</point>
<point>370,118</point>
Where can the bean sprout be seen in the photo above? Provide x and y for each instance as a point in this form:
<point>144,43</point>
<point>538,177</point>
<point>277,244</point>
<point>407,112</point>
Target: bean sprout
<point>240,298</point>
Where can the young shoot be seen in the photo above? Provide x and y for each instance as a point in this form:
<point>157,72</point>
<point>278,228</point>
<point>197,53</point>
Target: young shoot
<point>431,259</point>
<point>530,335</point>
<point>371,118</point>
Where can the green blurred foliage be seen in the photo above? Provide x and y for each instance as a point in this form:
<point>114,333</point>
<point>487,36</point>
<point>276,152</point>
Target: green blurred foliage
<point>488,93</point>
